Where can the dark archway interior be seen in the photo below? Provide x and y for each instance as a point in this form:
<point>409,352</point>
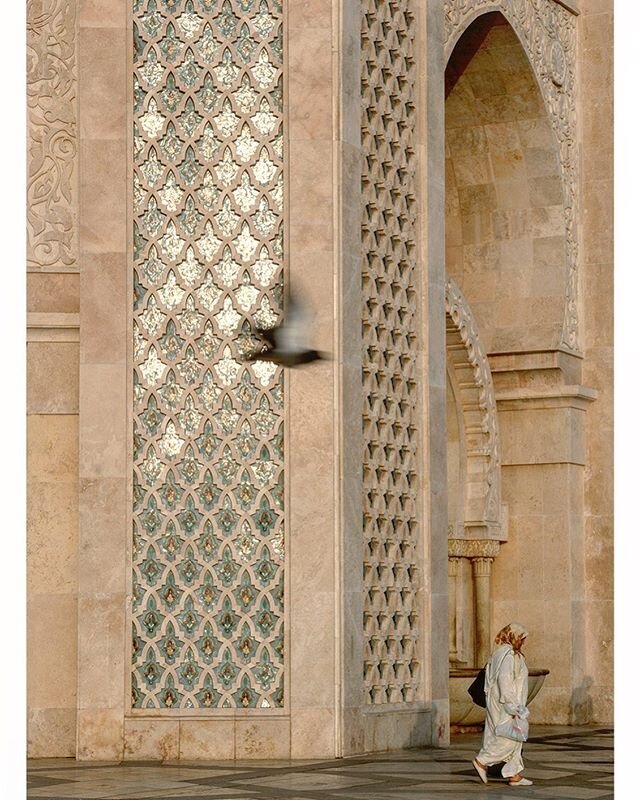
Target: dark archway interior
<point>468,46</point>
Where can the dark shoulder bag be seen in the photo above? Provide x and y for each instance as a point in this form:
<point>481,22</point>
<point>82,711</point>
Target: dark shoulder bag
<point>476,690</point>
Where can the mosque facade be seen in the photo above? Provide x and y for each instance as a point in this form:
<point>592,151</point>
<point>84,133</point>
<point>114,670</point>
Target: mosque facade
<point>228,558</point>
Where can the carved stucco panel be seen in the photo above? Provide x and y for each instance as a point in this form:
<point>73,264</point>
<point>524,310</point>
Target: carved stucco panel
<point>52,142</point>
<point>547,31</point>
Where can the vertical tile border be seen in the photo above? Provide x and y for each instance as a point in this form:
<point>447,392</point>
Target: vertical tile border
<point>104,437</point>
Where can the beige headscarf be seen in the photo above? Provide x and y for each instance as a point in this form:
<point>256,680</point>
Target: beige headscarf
<point>511,634</point>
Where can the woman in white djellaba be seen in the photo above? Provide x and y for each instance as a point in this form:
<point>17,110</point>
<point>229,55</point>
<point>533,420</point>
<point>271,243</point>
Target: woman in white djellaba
<point>506,687</point>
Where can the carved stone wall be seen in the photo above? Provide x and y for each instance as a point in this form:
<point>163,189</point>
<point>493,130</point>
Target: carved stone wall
<point>469,368</point>
<point>52,148</point>
<point>391,528</point>
<point>547,31</point>
<point>208,538</point>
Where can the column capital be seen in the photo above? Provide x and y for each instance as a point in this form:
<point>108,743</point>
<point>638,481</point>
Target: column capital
<point>473,548</point>
<point>453,566</point>
<point>482,567</point>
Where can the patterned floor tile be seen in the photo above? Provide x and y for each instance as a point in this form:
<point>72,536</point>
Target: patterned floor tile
<point>565,764</point>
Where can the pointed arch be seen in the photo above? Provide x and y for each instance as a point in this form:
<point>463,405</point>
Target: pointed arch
<point>546,30</point>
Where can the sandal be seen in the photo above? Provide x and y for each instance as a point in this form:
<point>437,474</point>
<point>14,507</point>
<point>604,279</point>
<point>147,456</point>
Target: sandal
<point>482,771</point>
<point>521,782</point>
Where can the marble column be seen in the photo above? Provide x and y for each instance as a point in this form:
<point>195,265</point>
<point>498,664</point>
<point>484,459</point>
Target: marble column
<point>453,578</point>
<point>482,586</point>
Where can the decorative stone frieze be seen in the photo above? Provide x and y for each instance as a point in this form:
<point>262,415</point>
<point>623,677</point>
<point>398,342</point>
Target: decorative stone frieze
<point>469,366</point>
<point>53,327</point>
<point>473,548</point>
<point>547,31</point>
<point>52,135</point>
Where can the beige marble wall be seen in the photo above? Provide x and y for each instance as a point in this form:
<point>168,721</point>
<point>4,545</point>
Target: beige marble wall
<point>105,729</point>
<point>180,738</point>
<point>595,48</point>
<point>539,576</point>
<point>313,499</point>
<point>52,537</point>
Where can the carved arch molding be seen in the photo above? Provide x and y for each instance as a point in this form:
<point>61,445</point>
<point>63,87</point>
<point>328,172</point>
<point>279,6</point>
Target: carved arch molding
<point>547,31</point>
<point>469,367</point>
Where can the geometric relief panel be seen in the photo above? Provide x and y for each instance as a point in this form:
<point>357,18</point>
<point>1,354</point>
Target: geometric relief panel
<point>208,536</point>
<point>389,327</point>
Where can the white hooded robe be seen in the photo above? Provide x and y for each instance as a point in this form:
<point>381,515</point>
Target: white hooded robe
<point>506,687</point>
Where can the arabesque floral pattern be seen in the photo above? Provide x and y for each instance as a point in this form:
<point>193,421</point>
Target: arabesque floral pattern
<point>52,151</point>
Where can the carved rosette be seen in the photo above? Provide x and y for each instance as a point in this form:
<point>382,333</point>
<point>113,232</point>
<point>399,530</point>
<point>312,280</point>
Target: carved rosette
<point>52,144</point>
<point>547,31</point>
<point>483,439</point>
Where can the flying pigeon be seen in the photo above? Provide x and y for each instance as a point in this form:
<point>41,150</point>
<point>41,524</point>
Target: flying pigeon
<point>286,343</point>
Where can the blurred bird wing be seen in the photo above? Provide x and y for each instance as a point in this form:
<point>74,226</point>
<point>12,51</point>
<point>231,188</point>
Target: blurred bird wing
<point>293,335</point>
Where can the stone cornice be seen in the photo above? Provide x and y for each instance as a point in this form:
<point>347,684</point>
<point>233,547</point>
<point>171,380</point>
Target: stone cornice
<point>554,397</point>
<point>50,327</point>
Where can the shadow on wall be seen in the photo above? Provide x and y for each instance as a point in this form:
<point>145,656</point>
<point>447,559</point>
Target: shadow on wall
<point>581,703</point>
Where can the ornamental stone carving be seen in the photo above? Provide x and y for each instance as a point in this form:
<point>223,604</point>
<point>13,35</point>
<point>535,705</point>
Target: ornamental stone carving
<point>469,367</point>
<point>391,398</point>
<point>52,146</point>
<point>473,548</point>
<point>547,32</point>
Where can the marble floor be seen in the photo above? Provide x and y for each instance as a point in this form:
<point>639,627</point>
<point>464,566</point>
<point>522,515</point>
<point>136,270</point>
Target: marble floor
<point>572,763</point>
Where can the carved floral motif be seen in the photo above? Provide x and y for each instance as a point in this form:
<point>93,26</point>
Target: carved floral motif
<point>52,148</point>
<point>547,31</point>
